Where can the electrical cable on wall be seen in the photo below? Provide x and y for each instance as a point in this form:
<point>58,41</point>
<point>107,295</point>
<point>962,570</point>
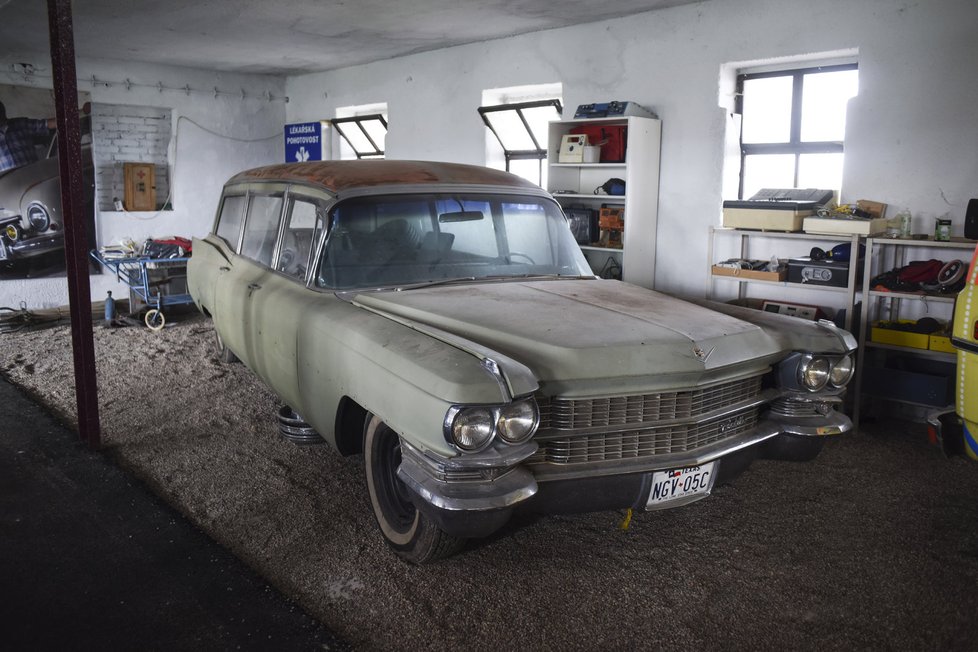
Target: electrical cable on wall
<point>173,167</point>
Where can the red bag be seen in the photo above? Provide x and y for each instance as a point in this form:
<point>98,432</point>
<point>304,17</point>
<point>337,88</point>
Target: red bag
<point>920,271</point>
<point>611,138</point>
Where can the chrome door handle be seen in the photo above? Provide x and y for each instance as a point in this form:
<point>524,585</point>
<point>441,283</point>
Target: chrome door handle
<point>254,286</point>
<point>224,269</point>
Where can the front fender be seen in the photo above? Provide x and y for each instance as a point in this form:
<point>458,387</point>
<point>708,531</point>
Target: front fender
<point>791,333</point>
<point>407,377</point>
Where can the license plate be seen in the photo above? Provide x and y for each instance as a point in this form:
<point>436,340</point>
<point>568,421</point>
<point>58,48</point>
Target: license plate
<point>681,486</point>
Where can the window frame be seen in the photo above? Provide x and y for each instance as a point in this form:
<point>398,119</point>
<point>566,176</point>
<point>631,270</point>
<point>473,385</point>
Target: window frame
<point>357,120</point>
<point>794,145</point>
<point>539,153</point>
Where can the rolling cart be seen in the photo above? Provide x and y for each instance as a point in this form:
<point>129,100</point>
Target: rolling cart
<point>156,282</point>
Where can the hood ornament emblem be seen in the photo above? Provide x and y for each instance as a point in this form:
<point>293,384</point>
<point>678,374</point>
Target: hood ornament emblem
<point>703,355</point>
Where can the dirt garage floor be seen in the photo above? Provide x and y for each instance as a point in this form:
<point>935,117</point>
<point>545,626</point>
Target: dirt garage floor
<point>874,545</point>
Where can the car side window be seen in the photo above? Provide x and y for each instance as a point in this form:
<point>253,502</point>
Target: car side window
<point>302,228</point>
<point>261,228</point>
<point>231,217</point>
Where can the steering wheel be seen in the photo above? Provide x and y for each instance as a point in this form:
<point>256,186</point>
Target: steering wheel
<point>521,255</point>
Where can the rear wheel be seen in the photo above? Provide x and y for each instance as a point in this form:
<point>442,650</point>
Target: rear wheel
<point>412,535</point>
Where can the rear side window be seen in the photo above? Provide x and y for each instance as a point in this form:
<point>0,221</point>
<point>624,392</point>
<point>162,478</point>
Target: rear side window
<point>261,228</point>
<point>232,215</point>
<point>302,229</point>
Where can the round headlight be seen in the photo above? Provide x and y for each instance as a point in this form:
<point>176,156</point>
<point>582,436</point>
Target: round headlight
<point>12,231</point>
<point>814,372</point>
<point>472,428</point>
<point>517,421</point>
<point>38,217</point>
<point>841,371</point>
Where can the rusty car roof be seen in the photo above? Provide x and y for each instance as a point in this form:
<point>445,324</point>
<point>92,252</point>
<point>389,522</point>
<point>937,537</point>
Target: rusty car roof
<point>338,176</point>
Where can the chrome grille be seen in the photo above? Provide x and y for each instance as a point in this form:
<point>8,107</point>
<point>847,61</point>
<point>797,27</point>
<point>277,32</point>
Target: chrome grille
<point>646,442</point>
<point>572,414</point>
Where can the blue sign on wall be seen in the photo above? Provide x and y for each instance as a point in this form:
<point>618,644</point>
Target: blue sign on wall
<point>303,142</point>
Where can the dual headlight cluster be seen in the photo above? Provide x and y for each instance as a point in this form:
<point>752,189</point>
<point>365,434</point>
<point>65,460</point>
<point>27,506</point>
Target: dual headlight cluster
<point>815,372</point>
<point>473,428</point>
<point>37,217</point>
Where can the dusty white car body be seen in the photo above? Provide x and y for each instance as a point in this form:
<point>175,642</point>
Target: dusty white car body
<point>595,394</point>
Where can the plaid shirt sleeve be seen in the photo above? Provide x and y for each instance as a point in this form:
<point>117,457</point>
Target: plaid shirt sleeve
<point>17,140</point>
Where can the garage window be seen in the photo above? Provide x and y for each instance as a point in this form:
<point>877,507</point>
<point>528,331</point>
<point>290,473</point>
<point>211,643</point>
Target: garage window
<point>521,129</point>
<point>793,127</point>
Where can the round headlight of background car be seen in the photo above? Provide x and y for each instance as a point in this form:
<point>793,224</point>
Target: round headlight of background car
<point>813,372</point>
<point>517,421</point>
<point>841,371</point>
<point>37,216</point>
<point>472,428</point>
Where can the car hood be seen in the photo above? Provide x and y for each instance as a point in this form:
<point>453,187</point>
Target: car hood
<point>577,330</point>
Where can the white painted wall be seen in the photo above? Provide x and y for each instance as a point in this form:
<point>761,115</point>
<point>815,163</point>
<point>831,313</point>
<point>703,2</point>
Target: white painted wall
<point>912,135</point>
<point>215,137</point>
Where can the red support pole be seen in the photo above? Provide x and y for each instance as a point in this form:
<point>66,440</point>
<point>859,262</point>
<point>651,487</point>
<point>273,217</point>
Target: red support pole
<point>76,235</point>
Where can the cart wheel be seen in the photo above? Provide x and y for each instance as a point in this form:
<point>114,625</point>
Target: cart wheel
<point>154,320</point>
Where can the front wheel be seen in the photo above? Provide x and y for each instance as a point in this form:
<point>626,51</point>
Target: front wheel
<point>412,535</point>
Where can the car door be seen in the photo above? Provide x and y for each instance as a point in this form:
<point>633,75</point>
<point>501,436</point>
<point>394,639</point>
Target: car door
<point>213,254</point>
<point>278,306</point>
<point>247,273</point>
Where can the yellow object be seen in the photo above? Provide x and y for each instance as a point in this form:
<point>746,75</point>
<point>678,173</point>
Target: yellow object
<point>883,335</point>
<point>628,521</point>
<point>966,333</point>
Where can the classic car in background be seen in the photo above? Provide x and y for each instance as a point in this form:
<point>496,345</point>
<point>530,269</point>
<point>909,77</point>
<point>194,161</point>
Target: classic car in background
<point>31,219</point>
<point>442,320</point>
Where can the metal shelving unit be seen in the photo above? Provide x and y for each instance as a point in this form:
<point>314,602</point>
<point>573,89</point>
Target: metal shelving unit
<point>746,235</point>
<point>882,254</point>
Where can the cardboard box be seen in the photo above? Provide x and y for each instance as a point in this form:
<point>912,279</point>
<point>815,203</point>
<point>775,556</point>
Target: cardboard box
<point>749,274</point>
<point>783,218</point>
<point>843,226</point>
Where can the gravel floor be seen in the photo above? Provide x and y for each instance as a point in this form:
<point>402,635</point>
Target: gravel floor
<point>874,545</point>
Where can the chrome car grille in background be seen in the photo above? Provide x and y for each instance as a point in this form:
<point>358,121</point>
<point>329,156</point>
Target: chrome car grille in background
<point>572,414</point>
<point>645,442</point>
<point>625,416</point>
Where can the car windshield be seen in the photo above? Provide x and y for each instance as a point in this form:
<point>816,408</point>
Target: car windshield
<point>403,240</point>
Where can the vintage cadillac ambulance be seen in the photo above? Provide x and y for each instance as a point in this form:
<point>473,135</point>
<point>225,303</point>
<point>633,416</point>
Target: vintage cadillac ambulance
<point>441,320</point>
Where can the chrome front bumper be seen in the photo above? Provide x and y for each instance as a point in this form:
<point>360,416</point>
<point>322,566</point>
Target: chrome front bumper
<point>498,480</point>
